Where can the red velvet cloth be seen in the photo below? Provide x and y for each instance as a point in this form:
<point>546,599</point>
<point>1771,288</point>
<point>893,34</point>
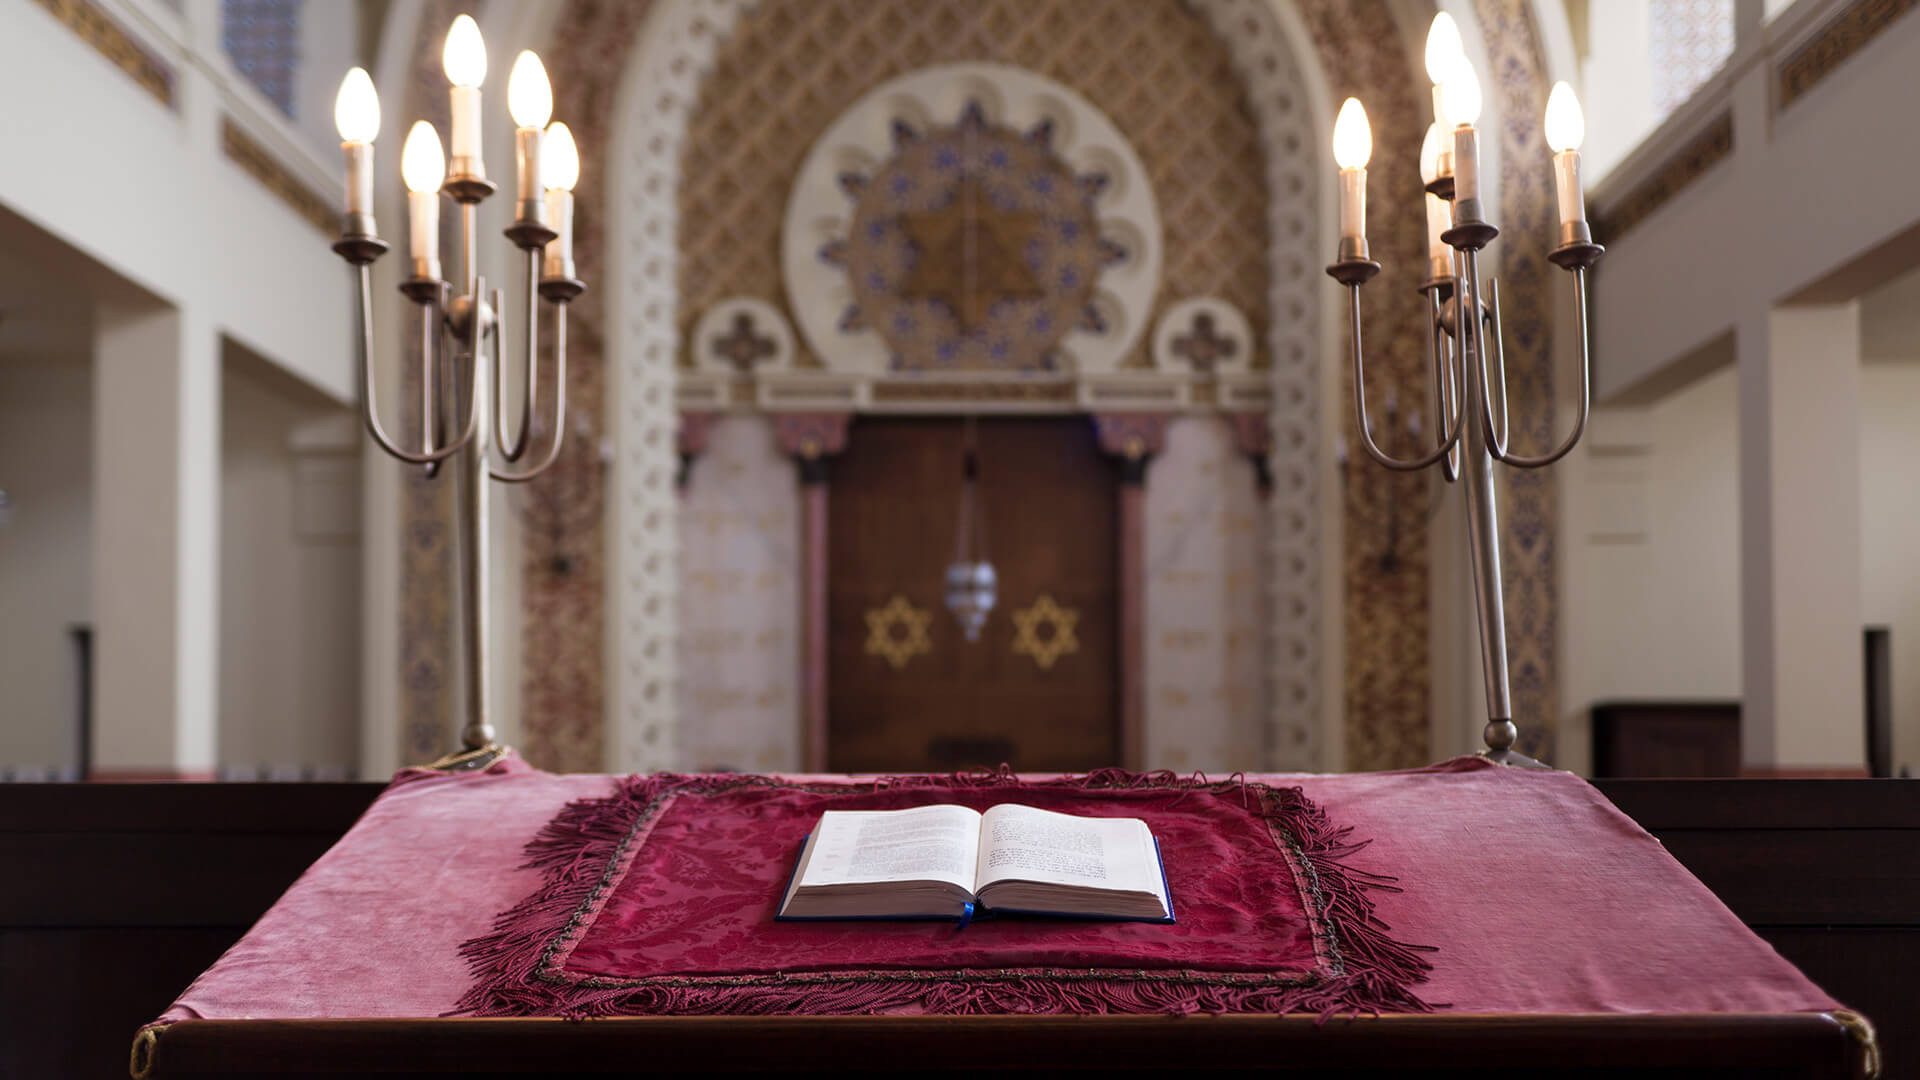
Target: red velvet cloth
<point>1539,896</point>
<point>661,899</point>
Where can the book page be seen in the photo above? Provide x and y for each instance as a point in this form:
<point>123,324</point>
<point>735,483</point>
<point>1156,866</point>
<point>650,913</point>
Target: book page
<point>1020,842</point>
<point>926,843</point>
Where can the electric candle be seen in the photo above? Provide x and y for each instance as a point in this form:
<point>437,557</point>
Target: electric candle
<point>1461,96</point>
<point>1439,215</point>
<point>465,59</point>
<point>1352,147</point>
<point>530,100</point>
<point>356,114</point>
<point>562,168</point>
<point>424,168</point>
<point>1566,127</point>
<point>1444,51</point>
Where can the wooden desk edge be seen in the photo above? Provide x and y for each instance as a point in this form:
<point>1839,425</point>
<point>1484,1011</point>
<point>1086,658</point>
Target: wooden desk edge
<point>1810,1044</point>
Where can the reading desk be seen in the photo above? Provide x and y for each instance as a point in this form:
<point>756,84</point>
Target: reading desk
<point>1555,932</point>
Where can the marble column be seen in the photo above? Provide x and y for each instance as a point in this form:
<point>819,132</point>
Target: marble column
<point>1133,438</point>
<point>812,439</point>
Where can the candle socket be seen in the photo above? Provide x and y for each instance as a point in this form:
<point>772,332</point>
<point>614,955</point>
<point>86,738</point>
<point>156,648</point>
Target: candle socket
<point>1575,232</point>
<point>467,188</point>
<point>426,268</point>
<point>357,224</point>
<point>1439,267</point>
<point>359,250</point>
<point>530,235</point>
<point>1353,249</point>
<point>556,267</point>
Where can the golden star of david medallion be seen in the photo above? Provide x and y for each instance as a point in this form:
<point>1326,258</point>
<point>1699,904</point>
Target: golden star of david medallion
<point>969,255</point>
<point>897,632</point>
<point>1057,641</point>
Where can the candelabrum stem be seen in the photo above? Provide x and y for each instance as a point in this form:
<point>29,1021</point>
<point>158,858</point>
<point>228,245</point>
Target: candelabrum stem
<point>477,733</point>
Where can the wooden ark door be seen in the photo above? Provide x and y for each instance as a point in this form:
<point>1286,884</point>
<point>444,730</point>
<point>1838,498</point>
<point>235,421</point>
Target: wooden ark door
<point>905,689</point>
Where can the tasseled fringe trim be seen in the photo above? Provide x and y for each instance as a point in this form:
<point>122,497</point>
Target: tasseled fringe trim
<point>1361,970</point>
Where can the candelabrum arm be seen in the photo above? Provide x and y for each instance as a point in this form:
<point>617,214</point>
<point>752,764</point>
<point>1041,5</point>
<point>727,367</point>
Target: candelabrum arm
<point>1497,442</point>
<point>558,426</point>
<point>1451,427</point>
<point>513,451</point>
<point>1447,387</point>
<point>369,396</point>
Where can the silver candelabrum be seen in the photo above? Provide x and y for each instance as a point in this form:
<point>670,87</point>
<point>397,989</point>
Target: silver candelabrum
<point>1468,365</point>
<point>461,333</point>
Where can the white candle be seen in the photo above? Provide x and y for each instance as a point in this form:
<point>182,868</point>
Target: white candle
<point>356,113</point>
<point>424,168</point>
<point>423,213</point>
<point>1566,127</point>
<point>530,100</point>
<point>1439,220</point>
<point>562,168</point>
<point>1566,184</point>
<point>465,59</point>
<point>359,180</point>
<point>1461,95</point>
<point>1466,166</point>
<point>1352,147</point>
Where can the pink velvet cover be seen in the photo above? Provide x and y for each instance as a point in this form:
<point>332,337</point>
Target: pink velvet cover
<point>1537,894</point>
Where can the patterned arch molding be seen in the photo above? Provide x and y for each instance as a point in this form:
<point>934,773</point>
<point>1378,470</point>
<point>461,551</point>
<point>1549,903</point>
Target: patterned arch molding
<point>674,51</point>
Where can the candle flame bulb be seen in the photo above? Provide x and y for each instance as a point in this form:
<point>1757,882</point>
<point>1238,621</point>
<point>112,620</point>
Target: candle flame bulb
<point>1352,138</point>
<point>465,54</point>
<point>1566,124</point>
<point>1460,96</point>
<point>1444,48</point>
<point>560,158</point>
<point>356,109</point>
<point>529,94</point>
<point>422,164</point>
<point>1430,154</point>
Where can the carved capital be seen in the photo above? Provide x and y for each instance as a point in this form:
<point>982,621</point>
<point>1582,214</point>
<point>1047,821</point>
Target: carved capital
<point>1134,438</point>
<point>811,438</point>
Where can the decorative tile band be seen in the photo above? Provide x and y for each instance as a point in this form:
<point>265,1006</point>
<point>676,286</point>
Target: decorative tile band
<point>97,28</point>
<point>1835,44</point>
<point>264,167</point>
<point>973,391</point>
<point>1707,149</point>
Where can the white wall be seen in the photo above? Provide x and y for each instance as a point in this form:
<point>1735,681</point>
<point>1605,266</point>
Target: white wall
<point>289,576</point>
<point>46,461</point>
<point>1890,533</point>
<point>1652,576</point>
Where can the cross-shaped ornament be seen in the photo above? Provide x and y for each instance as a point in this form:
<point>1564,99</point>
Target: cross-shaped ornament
<point>1203,348</point>
<point>740,346</point>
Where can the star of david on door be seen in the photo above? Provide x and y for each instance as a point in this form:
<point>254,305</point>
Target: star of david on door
<point>897,632</point>
<point>1044,631</point>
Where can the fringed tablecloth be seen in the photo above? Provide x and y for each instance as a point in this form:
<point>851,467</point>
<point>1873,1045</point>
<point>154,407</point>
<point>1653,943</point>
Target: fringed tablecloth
<point>1535,895</point>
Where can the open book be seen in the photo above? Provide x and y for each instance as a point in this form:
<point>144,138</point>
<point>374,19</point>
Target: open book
<point>934,861</point>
